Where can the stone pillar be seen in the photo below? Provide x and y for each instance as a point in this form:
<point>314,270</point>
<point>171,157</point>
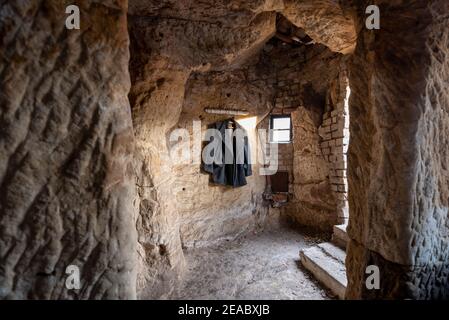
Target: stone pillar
<point>398,158</point>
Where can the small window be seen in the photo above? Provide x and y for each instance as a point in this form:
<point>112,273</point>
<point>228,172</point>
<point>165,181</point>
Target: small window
<point>280,129</point>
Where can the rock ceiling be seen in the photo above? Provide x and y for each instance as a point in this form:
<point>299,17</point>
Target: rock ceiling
<point>204,34</point>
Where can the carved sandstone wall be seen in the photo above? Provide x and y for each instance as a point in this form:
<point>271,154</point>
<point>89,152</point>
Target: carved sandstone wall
<point>398,186</point>
<point>208,212</point>
<point>66,147</point>
<point>169,41</point>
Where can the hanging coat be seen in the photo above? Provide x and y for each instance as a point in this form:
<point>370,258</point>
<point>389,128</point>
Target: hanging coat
<point>234,172</point>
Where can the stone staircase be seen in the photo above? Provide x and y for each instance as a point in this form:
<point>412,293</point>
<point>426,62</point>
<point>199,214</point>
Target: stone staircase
<point>326,261</point>
<point>339,236</point>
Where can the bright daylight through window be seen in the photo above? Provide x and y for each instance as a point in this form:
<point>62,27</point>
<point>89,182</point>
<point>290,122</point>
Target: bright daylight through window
<point>280,129</point>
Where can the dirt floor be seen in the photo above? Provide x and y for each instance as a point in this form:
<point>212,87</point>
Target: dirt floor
<point>262,266</point>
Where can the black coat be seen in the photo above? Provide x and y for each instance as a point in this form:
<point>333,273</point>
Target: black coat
<point>231,174</point>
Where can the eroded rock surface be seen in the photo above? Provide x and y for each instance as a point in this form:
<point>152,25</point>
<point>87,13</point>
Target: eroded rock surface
<point>66,145</point>
<point>326,21</point>
<point>398,187</point>
<point>210,213</point>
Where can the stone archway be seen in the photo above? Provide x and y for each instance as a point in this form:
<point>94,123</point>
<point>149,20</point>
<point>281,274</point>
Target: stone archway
<point>165,51</point>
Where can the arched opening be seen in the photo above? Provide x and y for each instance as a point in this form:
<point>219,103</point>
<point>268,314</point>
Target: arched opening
<point>278,70</point>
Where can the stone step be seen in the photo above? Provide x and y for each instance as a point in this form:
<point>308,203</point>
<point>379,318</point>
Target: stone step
<point>339,236</point>
<point>333,251</point>
<point>326,263</point>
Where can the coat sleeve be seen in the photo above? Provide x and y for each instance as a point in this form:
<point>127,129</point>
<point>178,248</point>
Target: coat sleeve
<point>211,167</point>
<point>247,164</point>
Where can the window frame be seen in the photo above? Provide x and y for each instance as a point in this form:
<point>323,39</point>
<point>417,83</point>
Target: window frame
<point>278,116</point>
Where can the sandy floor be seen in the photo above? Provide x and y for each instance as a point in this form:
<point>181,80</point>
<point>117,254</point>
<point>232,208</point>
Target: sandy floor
<point>263,266</point>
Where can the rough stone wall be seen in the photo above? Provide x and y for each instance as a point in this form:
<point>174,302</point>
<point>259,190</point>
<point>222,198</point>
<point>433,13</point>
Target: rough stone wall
<point>209,212</point>
<point>156,98</point>
<point>285,161</point>
<point>66,146</point>
<point>313,203</point>
<point>327,21</point>
<point>304,78</point>
<point>334,132</point>
<point>398,186</point>
<point>287,100</point>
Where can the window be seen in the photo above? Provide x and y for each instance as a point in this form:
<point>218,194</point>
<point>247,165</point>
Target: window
<point>280,129</point>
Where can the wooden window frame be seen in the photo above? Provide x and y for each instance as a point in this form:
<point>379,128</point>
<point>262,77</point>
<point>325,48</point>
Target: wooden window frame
<point>278,116</point>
